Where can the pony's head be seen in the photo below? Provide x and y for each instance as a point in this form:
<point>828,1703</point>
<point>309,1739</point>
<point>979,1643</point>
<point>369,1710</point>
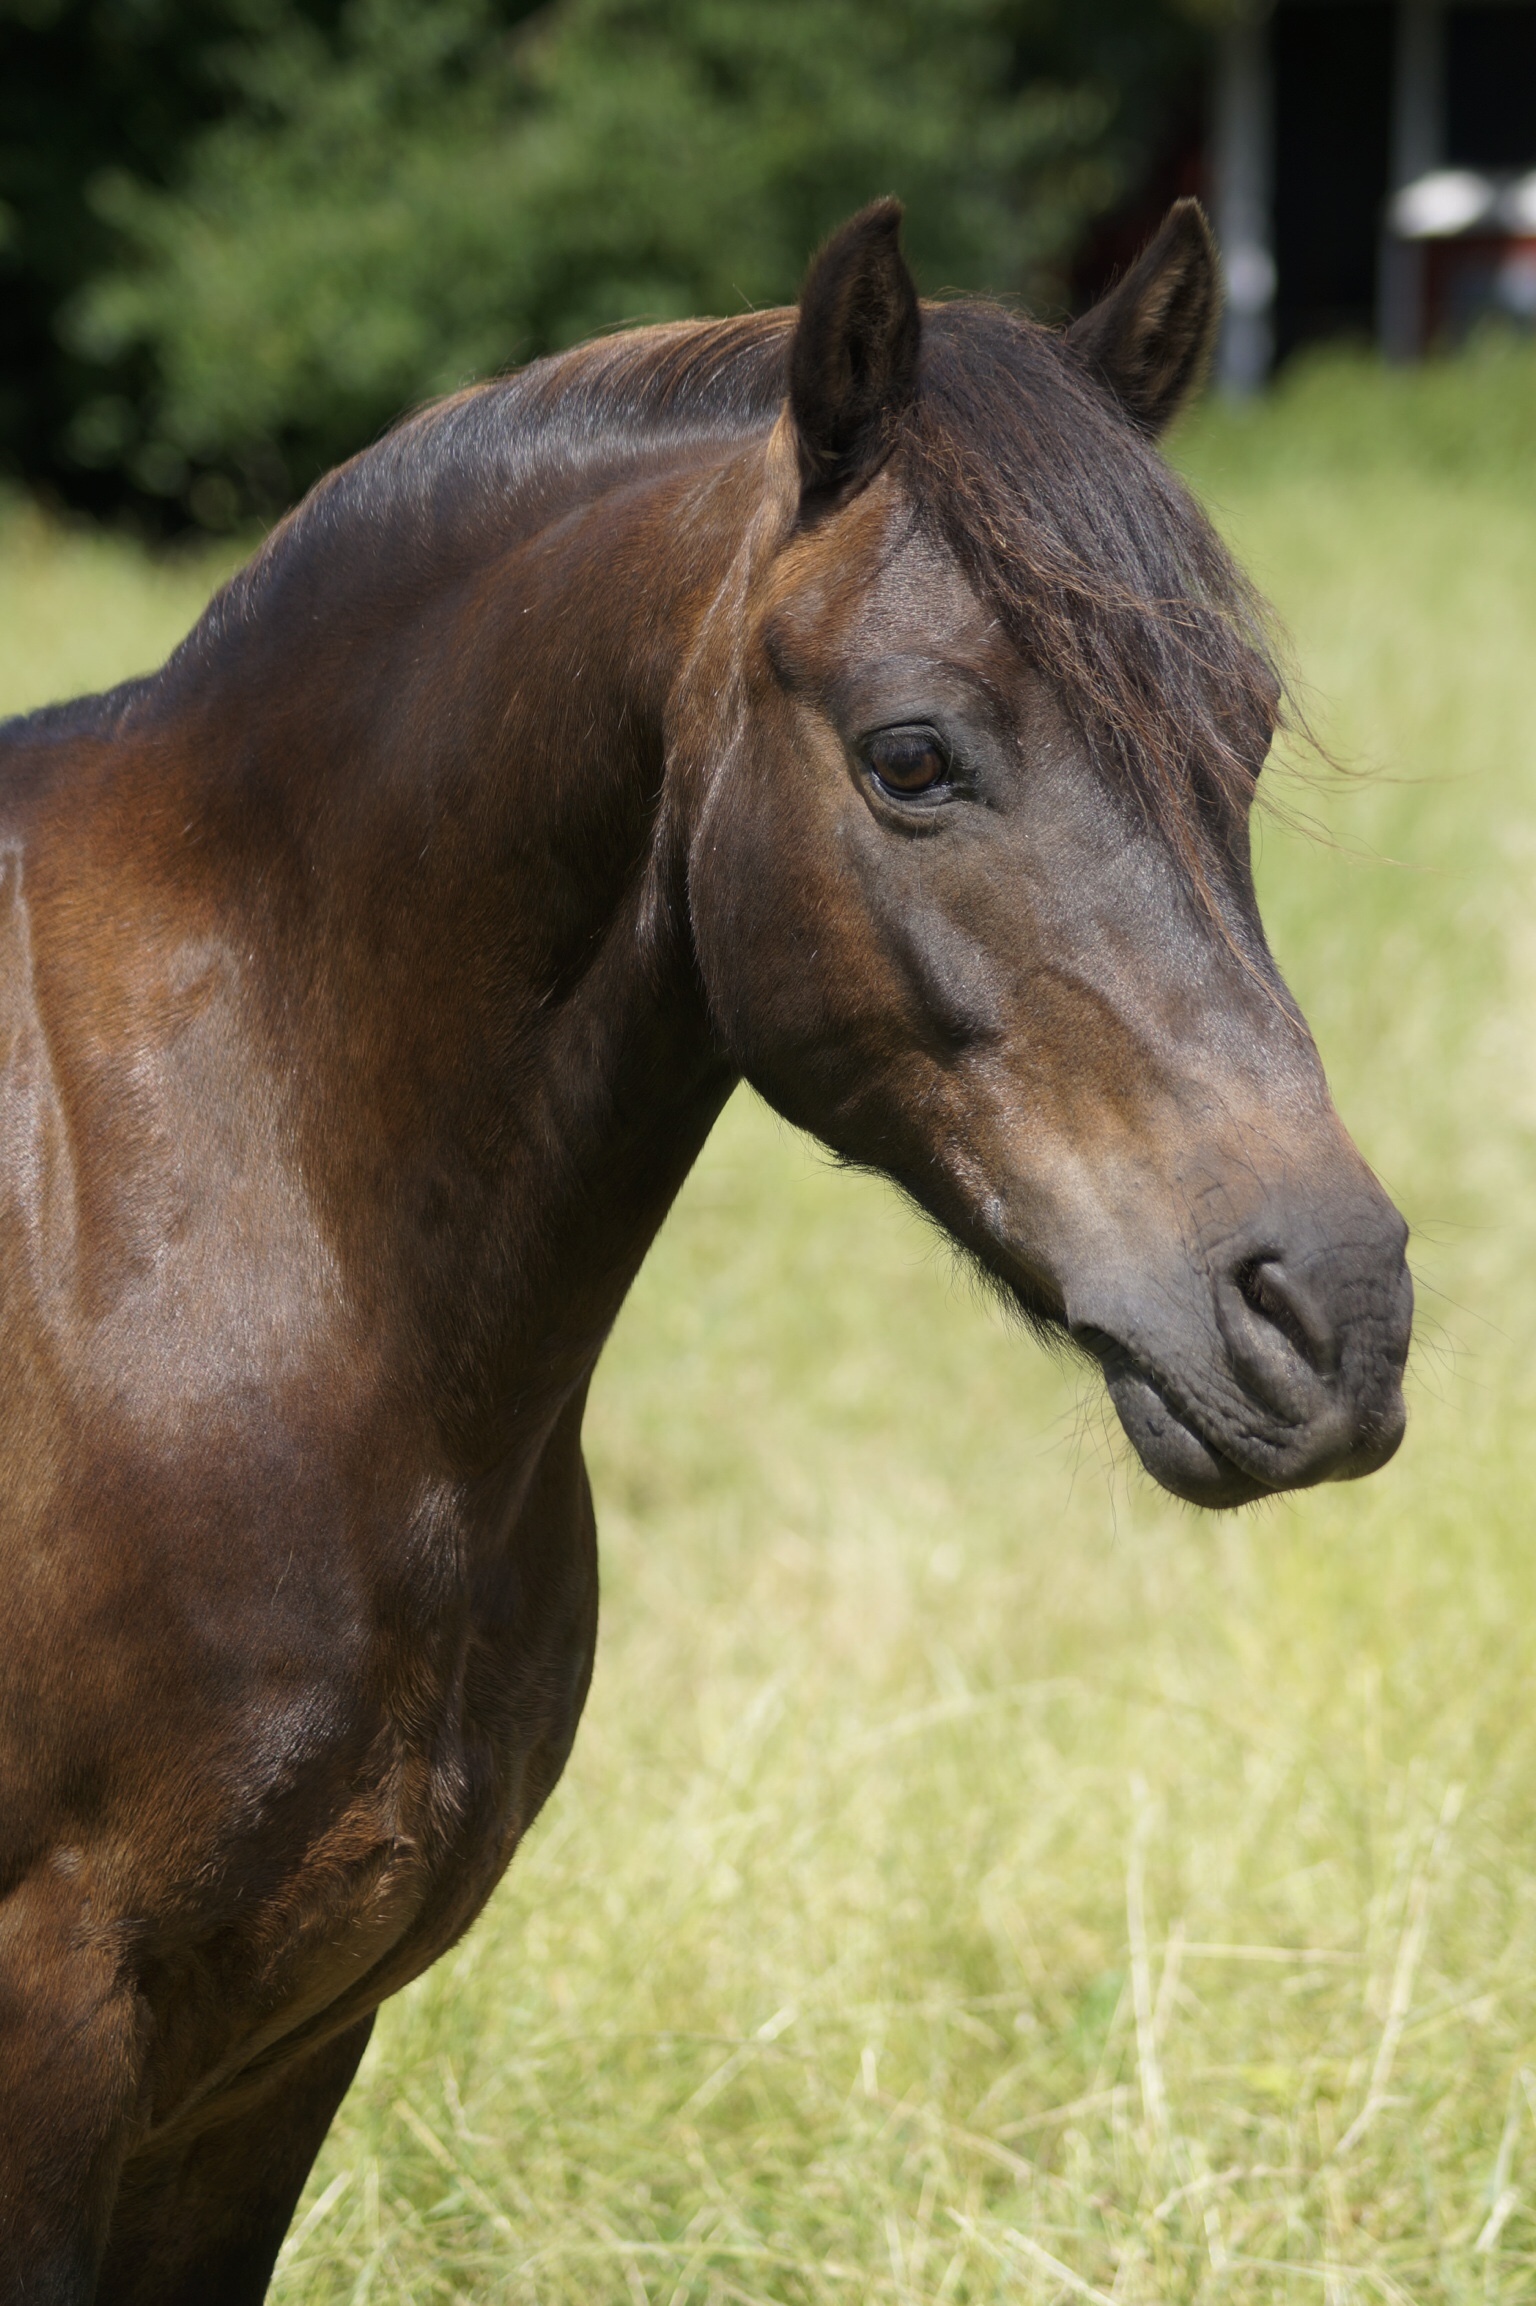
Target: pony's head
<point>969,876</point>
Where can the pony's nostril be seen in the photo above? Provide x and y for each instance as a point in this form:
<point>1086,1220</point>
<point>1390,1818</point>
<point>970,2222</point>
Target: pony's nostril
<point>1278,1298</point>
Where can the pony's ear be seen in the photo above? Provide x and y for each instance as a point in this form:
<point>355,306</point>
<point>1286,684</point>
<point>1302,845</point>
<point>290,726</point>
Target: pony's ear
<point>853,357</point>
<point>1150,338</point>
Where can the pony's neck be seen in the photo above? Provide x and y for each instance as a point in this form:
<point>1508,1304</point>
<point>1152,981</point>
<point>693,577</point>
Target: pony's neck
<point>512,1071</point>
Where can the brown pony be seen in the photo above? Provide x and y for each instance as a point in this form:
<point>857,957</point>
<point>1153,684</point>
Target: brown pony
<point>848,699</point>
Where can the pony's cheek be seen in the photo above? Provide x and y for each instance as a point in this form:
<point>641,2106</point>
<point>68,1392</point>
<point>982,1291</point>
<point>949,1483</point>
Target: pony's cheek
<point>806,995</point>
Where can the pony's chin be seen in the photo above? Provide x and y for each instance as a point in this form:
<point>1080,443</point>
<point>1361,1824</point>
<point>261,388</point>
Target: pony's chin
<point>1172,1452</point>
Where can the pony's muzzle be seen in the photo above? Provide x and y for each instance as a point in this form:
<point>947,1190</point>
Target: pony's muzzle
<point>1276,1368</point>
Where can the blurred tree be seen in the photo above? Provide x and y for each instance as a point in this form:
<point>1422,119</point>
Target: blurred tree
<point>82,82</point>
<point>91,90</point>
<point>338,210</point>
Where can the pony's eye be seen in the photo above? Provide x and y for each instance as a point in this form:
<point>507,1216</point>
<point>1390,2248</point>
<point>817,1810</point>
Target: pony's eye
<point>907,760</point>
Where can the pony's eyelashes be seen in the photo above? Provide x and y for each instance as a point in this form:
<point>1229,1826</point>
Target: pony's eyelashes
<point>909,764</point>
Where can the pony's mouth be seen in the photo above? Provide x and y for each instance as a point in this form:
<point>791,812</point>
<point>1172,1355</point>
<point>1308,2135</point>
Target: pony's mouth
<point>1174,1453</point>
<point>1179,1449</point>
<point>1342,1439</point>
<point>1178,1453</point>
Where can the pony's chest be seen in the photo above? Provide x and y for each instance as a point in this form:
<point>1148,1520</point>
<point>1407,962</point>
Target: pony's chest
<point>403,1846</point>
<point>478,1706</point>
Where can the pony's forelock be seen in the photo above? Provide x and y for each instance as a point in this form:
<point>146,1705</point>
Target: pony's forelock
<point>1100,566</point>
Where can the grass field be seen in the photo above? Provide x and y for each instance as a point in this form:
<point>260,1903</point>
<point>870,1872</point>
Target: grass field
<point>979,1878</point>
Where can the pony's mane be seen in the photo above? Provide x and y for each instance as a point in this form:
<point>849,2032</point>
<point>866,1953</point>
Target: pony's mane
<point>1089,549</point>
<point>577,415</point>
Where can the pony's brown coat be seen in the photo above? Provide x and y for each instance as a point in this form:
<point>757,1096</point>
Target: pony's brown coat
<point>369,979</point>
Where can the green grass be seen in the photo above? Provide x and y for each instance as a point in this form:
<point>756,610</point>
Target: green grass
<point>979,1878</point>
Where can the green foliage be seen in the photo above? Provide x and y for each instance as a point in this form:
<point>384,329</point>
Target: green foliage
<point>431,201</point>
<point>238,237</point>
<point>84,85</point>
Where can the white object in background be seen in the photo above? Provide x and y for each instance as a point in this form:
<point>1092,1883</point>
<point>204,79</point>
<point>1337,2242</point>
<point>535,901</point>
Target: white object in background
<point>1442,204</point>
<point>1250,273</point>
